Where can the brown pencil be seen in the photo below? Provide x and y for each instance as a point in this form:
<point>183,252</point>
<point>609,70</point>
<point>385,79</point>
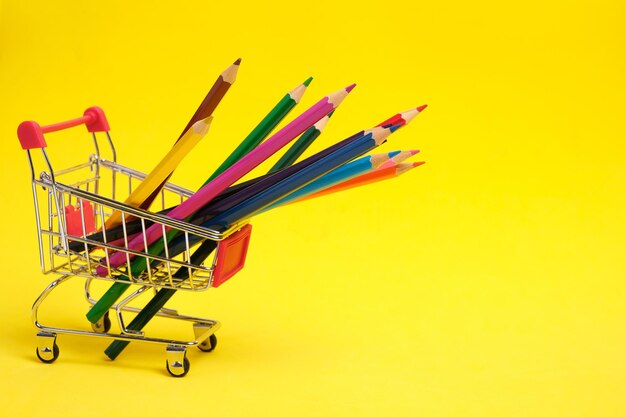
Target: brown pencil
<point>206,109</point>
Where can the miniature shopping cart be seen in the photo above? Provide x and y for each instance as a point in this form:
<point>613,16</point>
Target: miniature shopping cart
<point>72,206</point>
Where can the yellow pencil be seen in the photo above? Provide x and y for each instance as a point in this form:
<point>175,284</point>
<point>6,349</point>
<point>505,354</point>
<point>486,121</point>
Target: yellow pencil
<point>164,169</point>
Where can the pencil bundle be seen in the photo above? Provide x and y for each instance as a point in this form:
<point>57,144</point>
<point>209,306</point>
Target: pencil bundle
<point>221,201</point>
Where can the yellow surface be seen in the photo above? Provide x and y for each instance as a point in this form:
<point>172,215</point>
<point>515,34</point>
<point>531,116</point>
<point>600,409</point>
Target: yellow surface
<point>489,282</point>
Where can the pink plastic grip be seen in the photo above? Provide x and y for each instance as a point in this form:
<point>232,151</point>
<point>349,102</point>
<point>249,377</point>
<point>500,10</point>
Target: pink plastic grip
<point>30,133</point>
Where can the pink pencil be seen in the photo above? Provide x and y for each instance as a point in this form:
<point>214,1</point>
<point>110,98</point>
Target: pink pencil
<point>235,172</point>
<point>395,160</point>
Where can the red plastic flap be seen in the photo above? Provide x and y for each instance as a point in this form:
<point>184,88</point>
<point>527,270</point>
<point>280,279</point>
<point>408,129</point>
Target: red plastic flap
<point>74,220</point>
<point>231,255</point>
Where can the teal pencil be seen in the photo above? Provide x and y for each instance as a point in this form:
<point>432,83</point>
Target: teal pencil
<point>343,173</point>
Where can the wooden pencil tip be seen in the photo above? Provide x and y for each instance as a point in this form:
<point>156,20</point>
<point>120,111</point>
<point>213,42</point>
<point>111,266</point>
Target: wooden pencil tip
<point>414,151</point>
<point>321,124</point>
<point>409,115</point>
<point>201,127</point>
<point>338,96</point>
<point>307,81</point>
<point>402,156</point>
<point>402,168</point>
<point>379,134</point>
<point>230,74</point>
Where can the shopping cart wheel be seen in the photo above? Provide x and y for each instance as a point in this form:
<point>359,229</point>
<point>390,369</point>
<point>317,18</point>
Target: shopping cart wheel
<point>178,371</point>
<point>209,344</point>
<point>49,357</point>
<point>103,325</point>
<point>177,363</point>
<point>48,350</point>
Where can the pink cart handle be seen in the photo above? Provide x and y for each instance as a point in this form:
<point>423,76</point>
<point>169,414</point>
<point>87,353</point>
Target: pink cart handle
<point>31,134</point>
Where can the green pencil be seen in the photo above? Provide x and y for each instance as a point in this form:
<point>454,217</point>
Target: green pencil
<point>263,129</point>
<point>301,144</point>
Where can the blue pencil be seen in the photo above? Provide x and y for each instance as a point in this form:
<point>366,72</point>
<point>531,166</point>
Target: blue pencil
<point>259,201</point>
<point>343,173</point>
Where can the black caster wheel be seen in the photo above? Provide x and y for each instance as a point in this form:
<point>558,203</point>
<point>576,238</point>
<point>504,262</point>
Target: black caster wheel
<point>176,370</point>
<point>47,358</point>
<point>209,344</point>
<point>103,325</point>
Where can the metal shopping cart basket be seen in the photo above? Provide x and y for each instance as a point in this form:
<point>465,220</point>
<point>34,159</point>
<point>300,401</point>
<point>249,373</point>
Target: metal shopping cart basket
<point>72,206</point>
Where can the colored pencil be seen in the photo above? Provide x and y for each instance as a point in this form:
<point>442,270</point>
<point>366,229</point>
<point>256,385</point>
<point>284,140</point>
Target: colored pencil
<point>404,117</point>
<point>215,95</point>
<point>358,147</point>
<point>301,144</point>
<point>204,110</point>
<point>304,176</point>
<point>269,122</point>
<point>370,177</point>
<point>270,180</point>
<point>395,160</point>
<point>209,191</point>
<point>164,168</point>
<point>343,173</point>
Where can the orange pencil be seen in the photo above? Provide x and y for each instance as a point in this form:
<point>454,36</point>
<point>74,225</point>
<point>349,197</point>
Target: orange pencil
<point>370,177</point>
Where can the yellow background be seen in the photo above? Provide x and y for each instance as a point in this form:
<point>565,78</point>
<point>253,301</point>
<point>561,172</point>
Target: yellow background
<point>489,282</point>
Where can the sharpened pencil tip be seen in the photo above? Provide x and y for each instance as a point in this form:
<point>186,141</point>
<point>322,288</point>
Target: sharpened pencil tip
<point>414,152</point>
<point>201,127</point>
<point>329,115</point>
<point>421,108</point>
<point>338,96</point>
<point>307,81</point>
<point>416,164</point>
<point>321,124</point>
<point>394,128</point>
<point>237,62</point>
<point>393,153</point>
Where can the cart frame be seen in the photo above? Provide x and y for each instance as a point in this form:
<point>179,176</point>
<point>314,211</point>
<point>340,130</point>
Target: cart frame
<point>88,189</point>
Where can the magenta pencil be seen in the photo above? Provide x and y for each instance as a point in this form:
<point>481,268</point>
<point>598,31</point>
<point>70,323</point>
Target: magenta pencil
<point>235,172</point>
